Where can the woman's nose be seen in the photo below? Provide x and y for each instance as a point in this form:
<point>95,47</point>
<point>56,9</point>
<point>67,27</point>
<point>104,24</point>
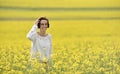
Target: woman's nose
<point>44,25</point>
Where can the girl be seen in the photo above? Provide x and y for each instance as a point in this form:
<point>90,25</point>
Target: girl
<point>41,41</point>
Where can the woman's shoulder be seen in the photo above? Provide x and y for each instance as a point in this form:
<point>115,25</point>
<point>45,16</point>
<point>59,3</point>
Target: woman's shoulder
<point>49,35</point>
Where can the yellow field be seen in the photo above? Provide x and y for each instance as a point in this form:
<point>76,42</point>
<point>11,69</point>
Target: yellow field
<point>85,41</point>
<point>78,47</point>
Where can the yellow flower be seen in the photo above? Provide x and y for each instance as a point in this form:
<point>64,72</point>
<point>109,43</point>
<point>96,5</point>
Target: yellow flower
<point>43,70</point>
<point>45,59</point>
<point>24,62</point>
<point>7,67</point>
<point>23,67</point>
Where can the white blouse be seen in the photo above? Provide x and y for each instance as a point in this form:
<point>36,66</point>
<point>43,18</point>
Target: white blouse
<point>41,46</point>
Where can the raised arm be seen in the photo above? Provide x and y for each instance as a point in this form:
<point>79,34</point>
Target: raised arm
<point>32,31</point>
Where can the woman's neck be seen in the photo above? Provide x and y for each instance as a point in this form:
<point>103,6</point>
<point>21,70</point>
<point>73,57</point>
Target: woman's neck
<point>42,33</point>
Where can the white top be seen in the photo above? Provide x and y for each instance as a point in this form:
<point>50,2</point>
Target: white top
<point>41,46</point>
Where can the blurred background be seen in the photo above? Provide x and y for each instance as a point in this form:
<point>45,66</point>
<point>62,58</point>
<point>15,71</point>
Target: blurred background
<point>85,32</point>
<point>60,10</point>
<point>68,18</point>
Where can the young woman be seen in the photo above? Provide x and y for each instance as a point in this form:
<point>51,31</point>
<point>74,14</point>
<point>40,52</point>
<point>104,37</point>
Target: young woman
<point>41,41</point>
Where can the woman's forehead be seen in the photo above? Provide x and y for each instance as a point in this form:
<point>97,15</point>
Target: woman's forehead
<point>43,21</point>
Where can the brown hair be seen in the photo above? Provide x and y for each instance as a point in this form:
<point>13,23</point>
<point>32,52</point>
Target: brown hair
<point>43,18</point>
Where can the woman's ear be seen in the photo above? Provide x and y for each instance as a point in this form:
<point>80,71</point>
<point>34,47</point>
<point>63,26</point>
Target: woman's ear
<point>38,25</point>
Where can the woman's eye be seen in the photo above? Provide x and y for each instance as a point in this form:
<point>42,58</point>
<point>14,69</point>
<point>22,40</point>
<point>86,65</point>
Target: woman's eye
<point>43,24</point>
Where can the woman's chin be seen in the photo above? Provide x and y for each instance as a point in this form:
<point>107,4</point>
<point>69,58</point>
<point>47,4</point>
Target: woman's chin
<point>43,30</point>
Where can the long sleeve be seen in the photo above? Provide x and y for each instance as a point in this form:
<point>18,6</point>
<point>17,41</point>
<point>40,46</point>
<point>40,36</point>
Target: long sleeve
<point>31,33</point>
<point>50,45</point>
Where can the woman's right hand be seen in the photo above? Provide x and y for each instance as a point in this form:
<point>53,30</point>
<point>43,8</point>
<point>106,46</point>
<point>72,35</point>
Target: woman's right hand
<point>36,22</point>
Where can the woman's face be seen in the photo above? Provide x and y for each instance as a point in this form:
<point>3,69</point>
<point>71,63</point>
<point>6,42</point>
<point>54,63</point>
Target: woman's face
<point>43,25</point>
